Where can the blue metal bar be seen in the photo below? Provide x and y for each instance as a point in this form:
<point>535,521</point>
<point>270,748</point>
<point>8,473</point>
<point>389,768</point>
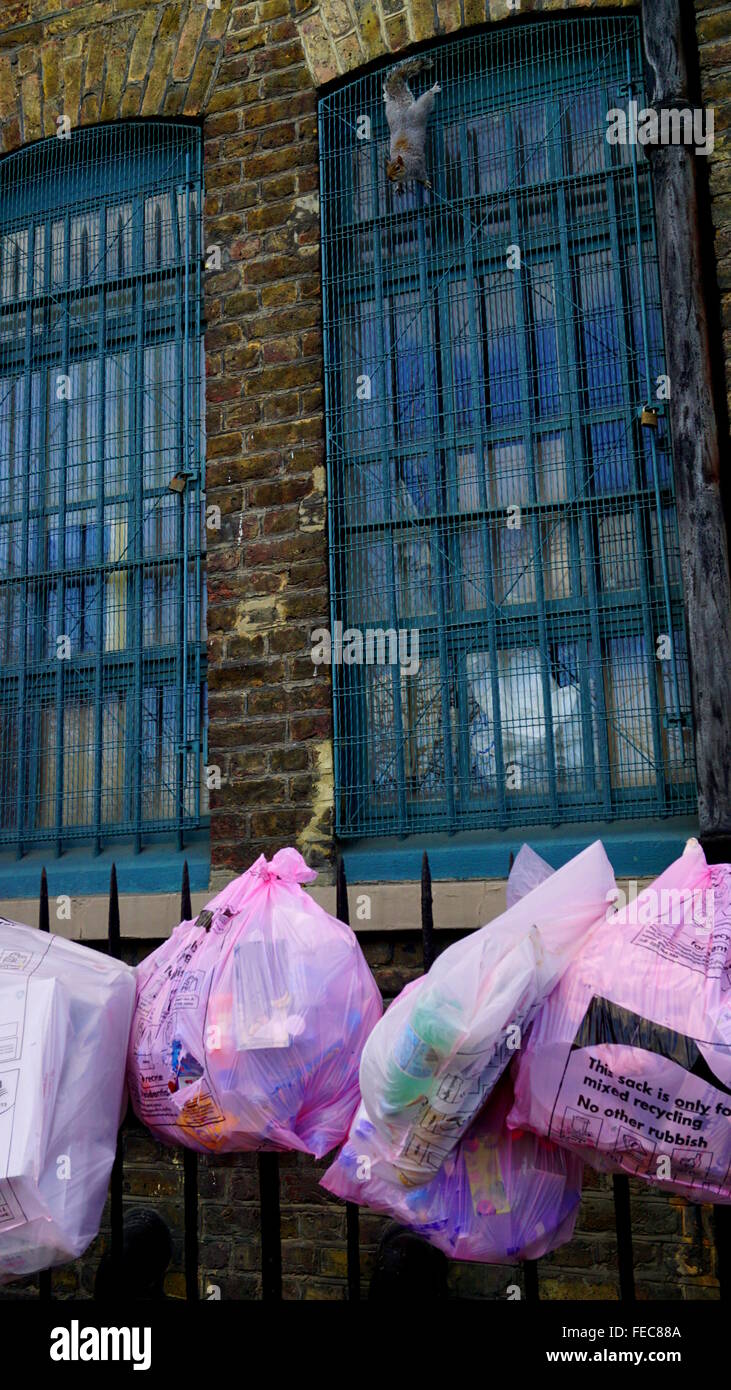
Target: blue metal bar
<point>481,455</point>
<point>438,540</point>
<point>390,531</point>
<point>577,465</point>
<point>181,353</point>
<point>61,580</point>
<point>183,743</point>
<point>27,380</point>
<point>137,518</point>
<point>331,461</point>
<point>528,440</point>
<point>101,536</point>
<point>199,498</point>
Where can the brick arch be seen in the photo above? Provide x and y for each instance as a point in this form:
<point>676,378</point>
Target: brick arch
<point>119,62</point>
<point>339,36</point>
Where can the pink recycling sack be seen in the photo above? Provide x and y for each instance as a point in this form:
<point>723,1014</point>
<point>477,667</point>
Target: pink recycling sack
<point>501,1195</point>
<point>250,1021</point>
<point>629,1062</point>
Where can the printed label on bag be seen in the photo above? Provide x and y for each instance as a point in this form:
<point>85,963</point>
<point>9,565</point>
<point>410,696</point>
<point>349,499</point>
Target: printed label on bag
<point>15,960</point>
<point>693,929</point>
<point>11,1212</point>
<point>637,1091</point>
<point>8,1092</point>
<point>13,996</point>
<point>414,1056</point>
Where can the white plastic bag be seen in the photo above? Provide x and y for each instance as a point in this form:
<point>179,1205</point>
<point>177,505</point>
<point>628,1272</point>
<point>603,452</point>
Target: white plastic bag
<point>65,1014</point>
<point>527,873</point>
<point>437,1053</point>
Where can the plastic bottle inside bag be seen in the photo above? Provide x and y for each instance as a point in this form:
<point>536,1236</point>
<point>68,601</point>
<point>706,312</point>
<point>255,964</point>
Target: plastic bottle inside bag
<point>262,996</point>
<point>424,1043</point>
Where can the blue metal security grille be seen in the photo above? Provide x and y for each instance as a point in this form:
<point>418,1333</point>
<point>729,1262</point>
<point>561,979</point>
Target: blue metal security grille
<point>101,586</point>
<point>492,487</point>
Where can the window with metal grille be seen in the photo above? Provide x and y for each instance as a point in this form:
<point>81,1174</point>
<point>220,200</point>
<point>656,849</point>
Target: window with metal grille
<point>493,493</point>
<point>101,476</point>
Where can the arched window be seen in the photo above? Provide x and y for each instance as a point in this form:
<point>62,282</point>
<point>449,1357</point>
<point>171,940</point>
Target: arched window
<point>494,494</point>
<point>101,479</point>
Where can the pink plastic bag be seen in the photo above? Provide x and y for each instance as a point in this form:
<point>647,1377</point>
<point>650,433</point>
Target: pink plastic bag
<point>501,1195</point>
<point>250,1021</point>
<point>629,1062</point>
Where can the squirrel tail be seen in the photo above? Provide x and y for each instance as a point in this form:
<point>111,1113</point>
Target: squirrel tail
<point>408,68</point>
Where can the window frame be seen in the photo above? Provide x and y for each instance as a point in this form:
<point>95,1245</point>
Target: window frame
<point>595,620</point>
<point>59,183</point>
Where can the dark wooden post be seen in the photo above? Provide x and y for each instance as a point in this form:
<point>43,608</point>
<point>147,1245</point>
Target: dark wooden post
<point>694,426</point>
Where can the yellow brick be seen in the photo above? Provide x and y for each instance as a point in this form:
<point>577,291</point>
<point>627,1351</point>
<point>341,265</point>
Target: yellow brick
<point>202,72</point>
<point>142,47</point>
<point>7,89</point>
<point>73,46</point>
<point>27,61</point>
<point>158,79</point>
<point>131,98</point>
<point>94,70</point>
<point>218,21</point>
<point>319,51</point>
<point>337,17</point>
<point>90,109</point>
<point>422,18</point>
<point>72,89</point>
<point>174,99</point>
<point>449,15</point>
<point>397,31</point>
<point>475,11</point>
<point>350,53</point>
<point>371,36</point>
<point>114,84</point>
<point>30,100</point>
<point>50,70</point>
<point>170,22</point>
<point>188,42</point>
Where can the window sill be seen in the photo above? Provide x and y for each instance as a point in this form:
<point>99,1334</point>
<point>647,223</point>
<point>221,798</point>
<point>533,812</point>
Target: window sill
<point>80,873</point>
<point>637,849</point>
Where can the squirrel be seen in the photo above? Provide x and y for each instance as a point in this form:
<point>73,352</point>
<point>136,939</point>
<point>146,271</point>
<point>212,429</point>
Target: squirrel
<point>407,118</point>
